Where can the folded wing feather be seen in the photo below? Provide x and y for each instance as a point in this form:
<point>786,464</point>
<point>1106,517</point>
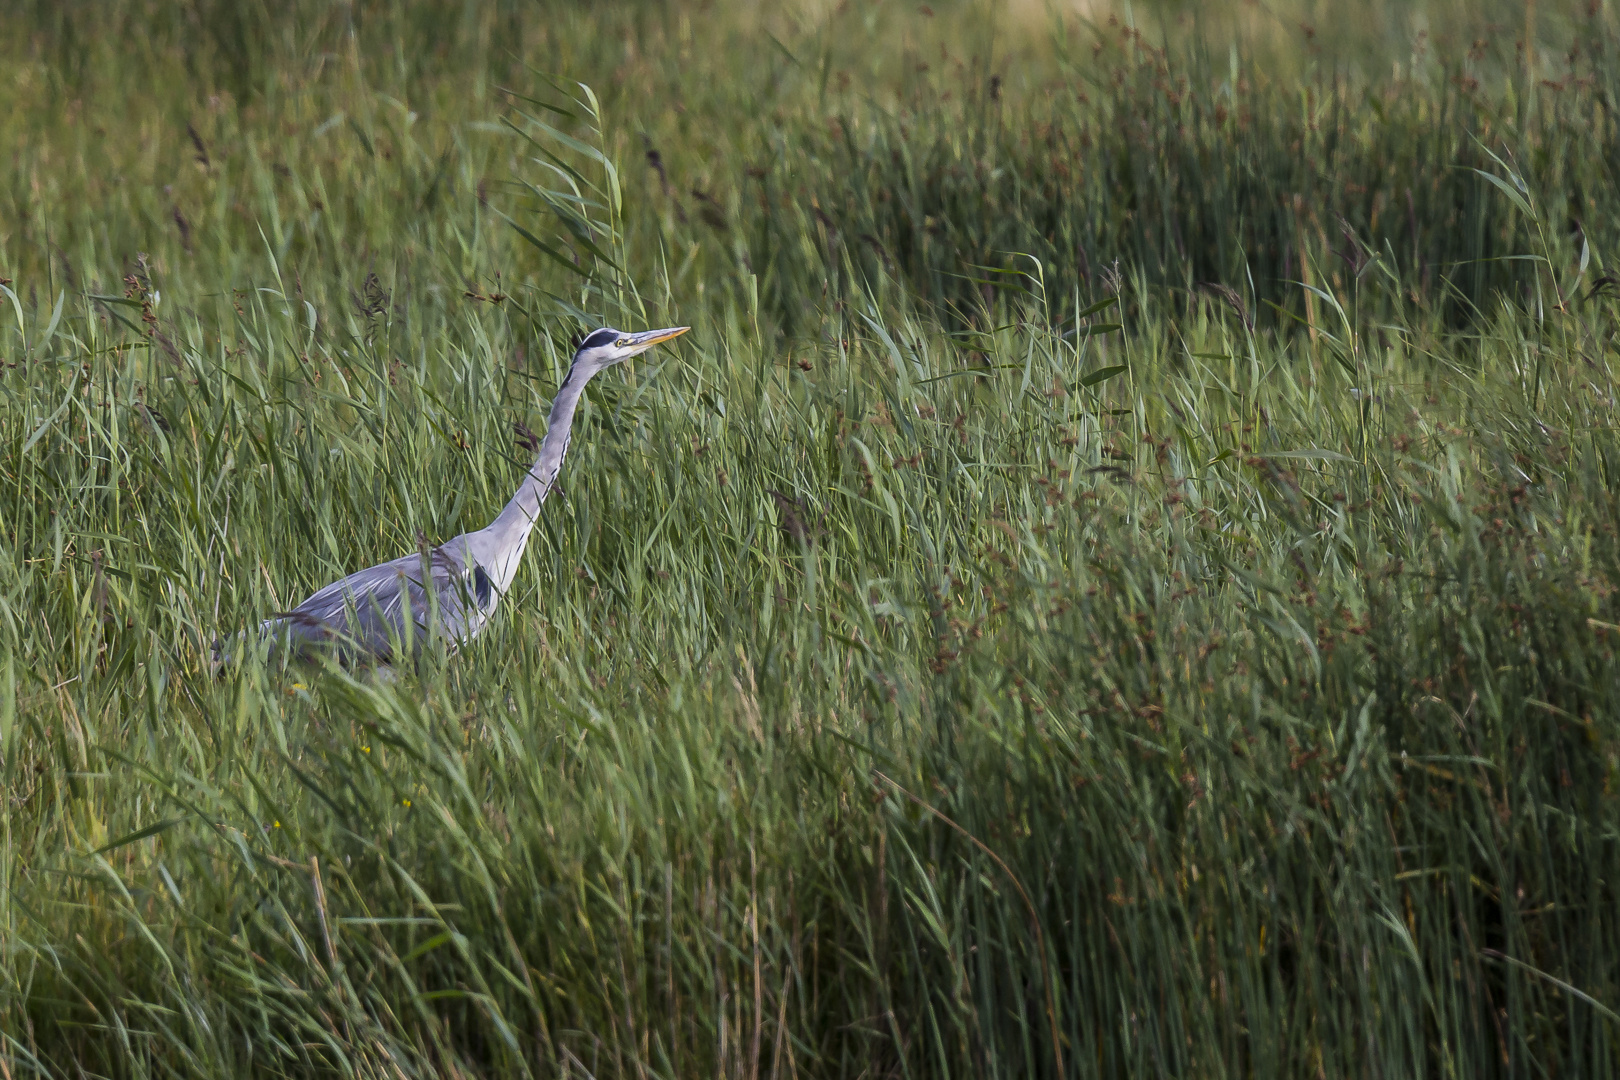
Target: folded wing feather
<point>365,613</point>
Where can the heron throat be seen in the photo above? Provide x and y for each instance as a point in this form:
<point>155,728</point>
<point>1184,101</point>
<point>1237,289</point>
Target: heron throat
<point>499,547</point>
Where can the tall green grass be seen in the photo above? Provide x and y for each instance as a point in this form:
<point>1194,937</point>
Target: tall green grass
<point>979,667</point>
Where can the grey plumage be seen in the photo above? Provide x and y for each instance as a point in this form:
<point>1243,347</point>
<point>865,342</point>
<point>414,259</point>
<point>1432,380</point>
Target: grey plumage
<point>448,593</point>
<point>362,616</point>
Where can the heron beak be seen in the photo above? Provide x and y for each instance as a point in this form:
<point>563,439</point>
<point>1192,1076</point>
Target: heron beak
<point>648,338</point>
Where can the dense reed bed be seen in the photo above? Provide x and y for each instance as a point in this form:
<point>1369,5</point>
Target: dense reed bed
<point>1120,581</point>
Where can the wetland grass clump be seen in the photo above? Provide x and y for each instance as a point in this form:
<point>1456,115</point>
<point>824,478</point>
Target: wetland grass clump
<point>955,659</point>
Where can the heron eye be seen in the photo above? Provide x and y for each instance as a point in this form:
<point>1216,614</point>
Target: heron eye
<point>624,343</point>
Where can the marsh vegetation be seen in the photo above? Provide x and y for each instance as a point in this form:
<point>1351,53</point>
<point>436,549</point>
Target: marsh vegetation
<point>1119,581</point>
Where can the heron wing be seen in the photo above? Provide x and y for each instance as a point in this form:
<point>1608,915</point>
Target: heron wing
<point>365,613</point>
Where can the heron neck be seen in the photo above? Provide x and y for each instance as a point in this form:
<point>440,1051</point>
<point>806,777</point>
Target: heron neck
<point>508,534</point>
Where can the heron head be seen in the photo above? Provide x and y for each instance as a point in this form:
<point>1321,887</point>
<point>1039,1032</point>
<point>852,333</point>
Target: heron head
<point>607,346</point>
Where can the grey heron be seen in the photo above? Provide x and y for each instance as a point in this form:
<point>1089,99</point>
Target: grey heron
<point>449,592</point>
